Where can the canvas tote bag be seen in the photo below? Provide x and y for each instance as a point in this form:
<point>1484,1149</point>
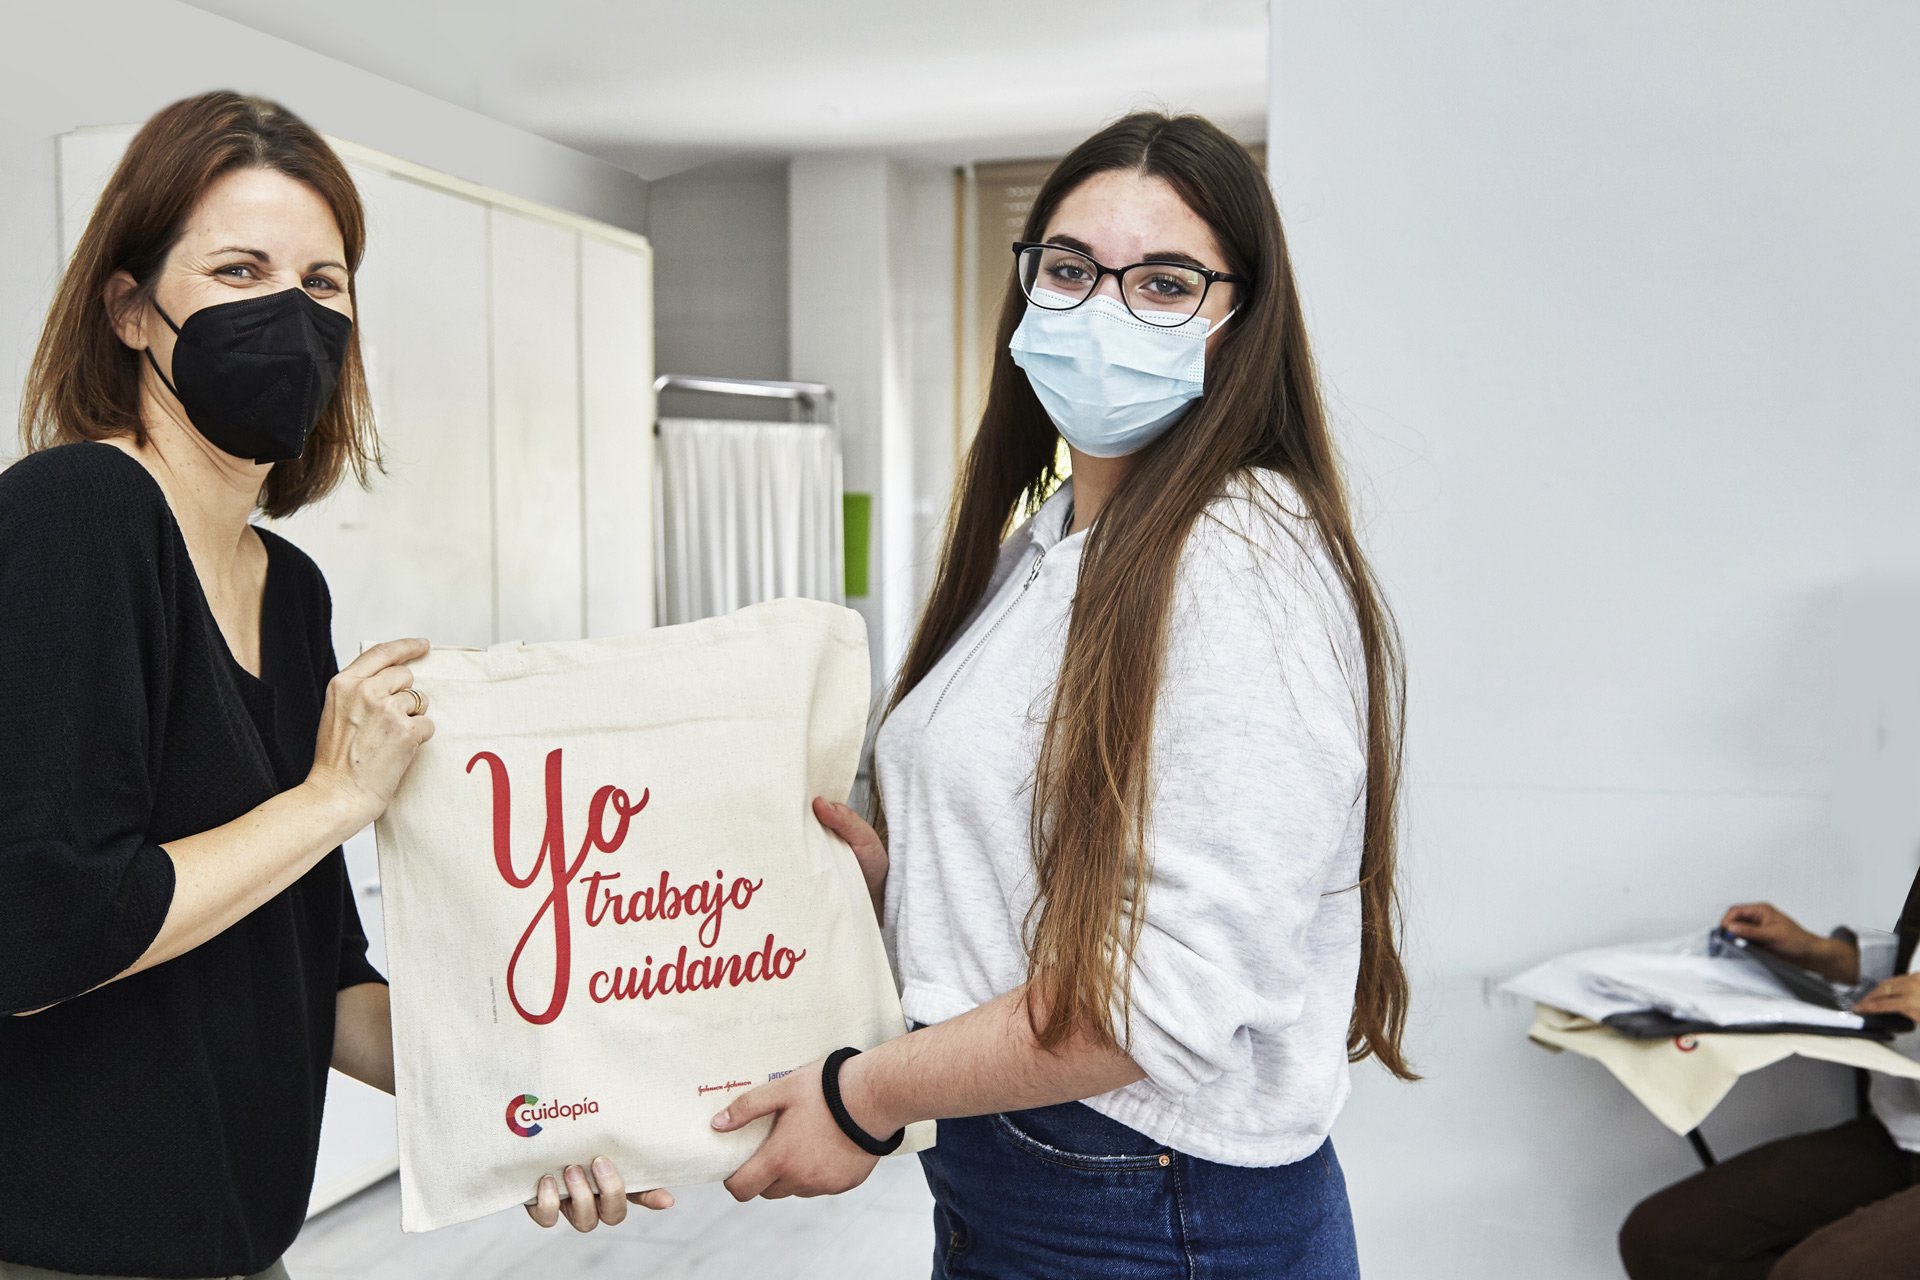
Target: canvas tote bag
<point>609,908</point>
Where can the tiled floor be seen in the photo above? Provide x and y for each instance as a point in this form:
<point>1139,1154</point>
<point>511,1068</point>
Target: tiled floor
<point>882,1229</point>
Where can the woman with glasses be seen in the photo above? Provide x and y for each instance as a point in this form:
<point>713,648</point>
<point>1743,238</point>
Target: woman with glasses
<point>1137,775</point>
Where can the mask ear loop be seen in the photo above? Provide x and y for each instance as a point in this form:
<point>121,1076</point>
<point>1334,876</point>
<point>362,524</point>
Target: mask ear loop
<point>1216,328</point>
<point>148,352</point>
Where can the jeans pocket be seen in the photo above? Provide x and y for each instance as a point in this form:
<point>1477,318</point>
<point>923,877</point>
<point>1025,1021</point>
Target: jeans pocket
<point>1073,1136</point>
<point>957,1240</point>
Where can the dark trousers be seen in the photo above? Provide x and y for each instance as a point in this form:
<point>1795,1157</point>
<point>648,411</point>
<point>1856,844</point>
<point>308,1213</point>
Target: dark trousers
<point>1839,1204</point>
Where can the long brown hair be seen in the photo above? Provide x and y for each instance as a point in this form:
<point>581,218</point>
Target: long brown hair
<point>84,383</point>
<point>1262,408</point>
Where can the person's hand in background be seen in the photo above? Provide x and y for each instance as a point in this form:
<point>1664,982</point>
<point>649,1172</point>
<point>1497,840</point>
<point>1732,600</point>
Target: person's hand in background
<point>1766,925</point>
<point>1900,994</point>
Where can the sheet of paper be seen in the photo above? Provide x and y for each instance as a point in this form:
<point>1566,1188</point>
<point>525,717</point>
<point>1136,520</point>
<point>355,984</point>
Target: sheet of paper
<point>1674,974</point>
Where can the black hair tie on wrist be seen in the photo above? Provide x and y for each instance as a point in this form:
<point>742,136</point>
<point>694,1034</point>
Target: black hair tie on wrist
<point>830,1086</point>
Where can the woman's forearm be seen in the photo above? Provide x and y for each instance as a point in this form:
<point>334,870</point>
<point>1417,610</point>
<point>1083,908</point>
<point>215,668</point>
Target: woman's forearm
<point>1837,959</point>
<point>980,1062</point>
<point>363,1035</point>
<point>222,876</point>
<point>225,874</point>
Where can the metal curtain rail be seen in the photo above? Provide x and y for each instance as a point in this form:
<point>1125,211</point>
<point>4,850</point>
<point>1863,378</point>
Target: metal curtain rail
<point>815,398</point>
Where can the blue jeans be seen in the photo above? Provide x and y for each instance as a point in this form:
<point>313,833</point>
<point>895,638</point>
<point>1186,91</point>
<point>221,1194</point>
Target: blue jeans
<point>1063,1191</point>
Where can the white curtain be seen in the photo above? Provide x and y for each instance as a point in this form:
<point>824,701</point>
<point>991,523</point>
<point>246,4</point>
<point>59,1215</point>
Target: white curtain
<point>749,511</point>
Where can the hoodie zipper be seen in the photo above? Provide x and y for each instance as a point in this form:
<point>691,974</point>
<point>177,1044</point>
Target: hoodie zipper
<point>979,644</point>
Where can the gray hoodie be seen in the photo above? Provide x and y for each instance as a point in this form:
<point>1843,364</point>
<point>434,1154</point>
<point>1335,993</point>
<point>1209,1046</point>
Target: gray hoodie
<point>1242,983</point>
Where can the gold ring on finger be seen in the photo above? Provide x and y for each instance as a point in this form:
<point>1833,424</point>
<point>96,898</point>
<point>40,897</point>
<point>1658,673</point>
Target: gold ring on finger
<point>419,701</point>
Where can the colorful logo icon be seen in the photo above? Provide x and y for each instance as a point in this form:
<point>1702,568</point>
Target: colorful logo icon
<point>524,1130</point>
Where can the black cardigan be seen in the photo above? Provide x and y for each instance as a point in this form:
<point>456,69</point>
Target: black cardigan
<point>166,1124</point>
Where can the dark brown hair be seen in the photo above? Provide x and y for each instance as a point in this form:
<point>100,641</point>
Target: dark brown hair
<point>84,383</point>
<point>1262,408</point>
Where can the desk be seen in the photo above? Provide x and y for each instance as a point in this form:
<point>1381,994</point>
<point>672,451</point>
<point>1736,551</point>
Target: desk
<point>1681,1079</point>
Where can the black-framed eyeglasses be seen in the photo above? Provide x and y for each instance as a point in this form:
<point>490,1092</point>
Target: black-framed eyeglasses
<point>1166,294</point>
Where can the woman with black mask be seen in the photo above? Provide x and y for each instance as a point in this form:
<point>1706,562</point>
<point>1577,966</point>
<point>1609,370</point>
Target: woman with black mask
<point>179,758</point>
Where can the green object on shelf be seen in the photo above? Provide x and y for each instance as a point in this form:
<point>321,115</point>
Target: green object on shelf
<point>857,518</point>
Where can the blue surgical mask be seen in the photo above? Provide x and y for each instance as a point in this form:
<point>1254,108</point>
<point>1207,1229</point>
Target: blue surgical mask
<point>1112,384</point>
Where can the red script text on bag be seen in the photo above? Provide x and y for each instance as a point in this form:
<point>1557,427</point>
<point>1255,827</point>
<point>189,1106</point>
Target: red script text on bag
<point>705,900</point>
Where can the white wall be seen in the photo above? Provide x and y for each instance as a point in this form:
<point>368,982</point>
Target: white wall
<point>836,268</point>
<point>1617,308</point>
<point>719,235</point>
<point>87,62</point>
<point>925,283</point>
<point>871,273</point>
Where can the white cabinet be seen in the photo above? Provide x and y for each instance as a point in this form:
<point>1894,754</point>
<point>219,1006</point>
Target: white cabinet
<point>415,555</point>
<point>509,355</point>
<point>616,411</point>
<point>541,580</point>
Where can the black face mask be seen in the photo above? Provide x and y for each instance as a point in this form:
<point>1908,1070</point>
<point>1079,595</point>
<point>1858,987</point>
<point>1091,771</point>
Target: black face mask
<point>255,375</point>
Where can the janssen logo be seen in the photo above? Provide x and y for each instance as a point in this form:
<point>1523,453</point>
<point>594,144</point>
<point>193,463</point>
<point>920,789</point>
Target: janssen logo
<point>526,1111</point>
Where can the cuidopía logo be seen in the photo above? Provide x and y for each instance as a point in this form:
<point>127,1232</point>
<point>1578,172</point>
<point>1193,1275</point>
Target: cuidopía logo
<point>525,1111</point>
<point>529,1102</point>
